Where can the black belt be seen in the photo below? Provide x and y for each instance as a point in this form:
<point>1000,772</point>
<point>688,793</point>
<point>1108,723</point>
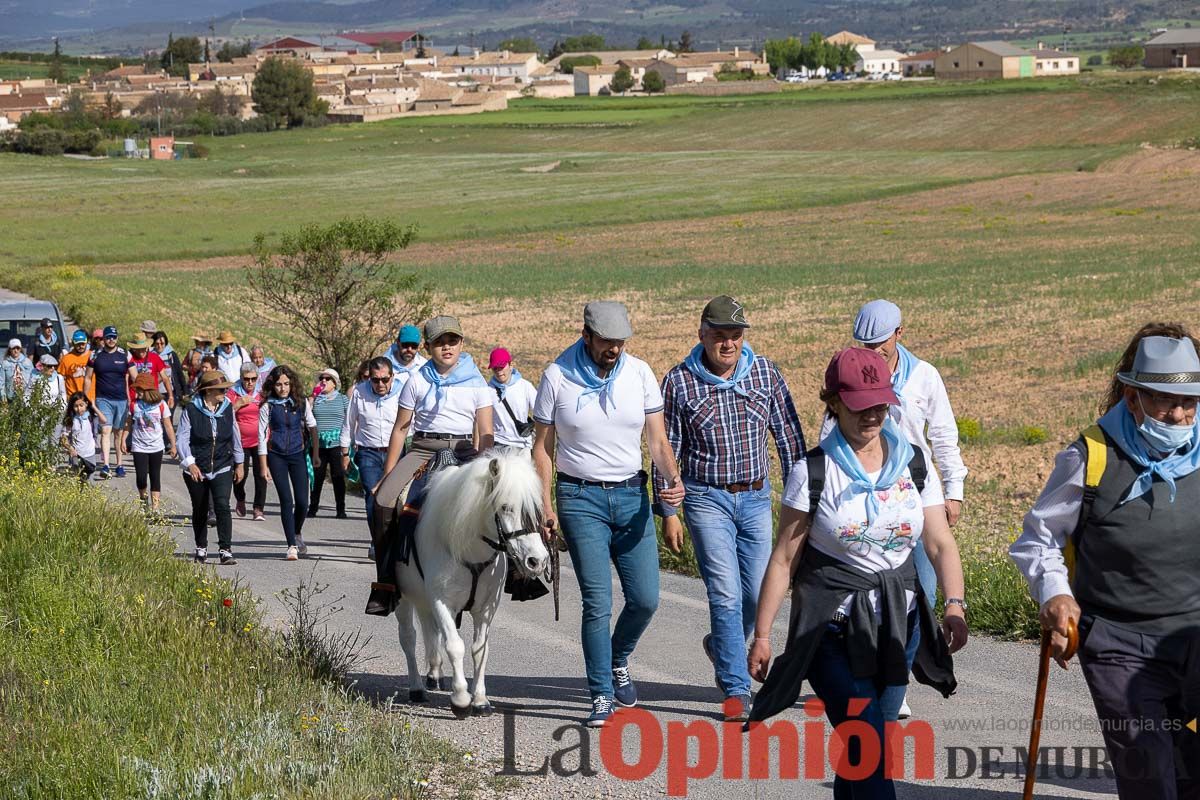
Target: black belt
<point>444,437</point>
<point>736,488</point>
<point>376,449</point>
<point>636,480</point>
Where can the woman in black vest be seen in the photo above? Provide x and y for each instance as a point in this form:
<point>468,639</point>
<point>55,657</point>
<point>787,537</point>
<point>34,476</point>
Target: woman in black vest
<point>1111,544</point>
<point>210,452</point>
<point>285,417</point>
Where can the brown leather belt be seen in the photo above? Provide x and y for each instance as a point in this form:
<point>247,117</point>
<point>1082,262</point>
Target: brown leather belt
<point>735,488</point>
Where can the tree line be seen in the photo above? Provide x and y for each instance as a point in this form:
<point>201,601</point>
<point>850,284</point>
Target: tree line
<point>792,53</point>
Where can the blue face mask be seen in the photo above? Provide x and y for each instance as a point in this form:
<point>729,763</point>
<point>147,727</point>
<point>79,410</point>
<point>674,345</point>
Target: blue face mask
<point>1163,436</point>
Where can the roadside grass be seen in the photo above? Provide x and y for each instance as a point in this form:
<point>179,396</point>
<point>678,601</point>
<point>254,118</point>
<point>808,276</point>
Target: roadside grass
<point>127,673</point>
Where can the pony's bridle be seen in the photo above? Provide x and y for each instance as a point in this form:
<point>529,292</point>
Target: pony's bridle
<point>504,536</point>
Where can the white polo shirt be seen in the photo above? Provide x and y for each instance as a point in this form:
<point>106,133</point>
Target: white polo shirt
<point>454,414</point>
<point>599,442</point>
<point>520,396</point>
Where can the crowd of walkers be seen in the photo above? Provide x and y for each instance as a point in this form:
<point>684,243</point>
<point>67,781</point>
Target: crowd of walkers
<point>864,541</point>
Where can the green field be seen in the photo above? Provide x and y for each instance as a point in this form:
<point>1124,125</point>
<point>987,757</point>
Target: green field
<point>621,162</point>
<point>75,68</point>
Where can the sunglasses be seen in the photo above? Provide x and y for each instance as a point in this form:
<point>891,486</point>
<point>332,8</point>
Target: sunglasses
<point>409,345</point>
<point>325,379</point>
<point>381,380</point>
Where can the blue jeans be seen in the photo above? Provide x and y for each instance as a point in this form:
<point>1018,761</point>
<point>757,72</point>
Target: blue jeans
<point>290,474</point>
<point>831,678</point>
<point>114,411</point>
<point>602,525</point>
<point>925,574</point>
<point>370,472</point>
<point>732,536</point>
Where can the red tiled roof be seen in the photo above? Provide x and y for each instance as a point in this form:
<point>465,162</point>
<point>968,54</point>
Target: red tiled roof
<point>376,38</point>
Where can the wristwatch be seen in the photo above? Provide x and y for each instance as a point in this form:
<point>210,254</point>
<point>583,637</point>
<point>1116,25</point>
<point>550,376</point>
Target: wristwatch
<point>957,601</point>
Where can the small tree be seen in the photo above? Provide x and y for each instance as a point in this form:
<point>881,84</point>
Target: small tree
<point>685,42</point>
<point>1095,60</point>
<point>284,90</point>
<point>179,53</point>
<point>521,44</point>
<point>333,284</point>
<point>847,56</point>
<point>622,81</point>
<point>555,51</point>
<point>57,72</point>
<point>644,43</point>
<point>229,51</point>
<point>588,41</point>
<point>653,82</point>
<point>567,65</point>
<point>1126,57</point>
<point>783,54</point>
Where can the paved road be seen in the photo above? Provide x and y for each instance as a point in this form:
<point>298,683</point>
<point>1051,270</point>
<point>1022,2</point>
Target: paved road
<point>536,670</point>
<point>536,682</point>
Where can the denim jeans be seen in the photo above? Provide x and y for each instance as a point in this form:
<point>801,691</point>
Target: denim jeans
<point>925,574</point>
<point>732,536</point>
<point>370,472</point>
<point>602,525</point>
<point>290,474</point>
<point>834,683</point>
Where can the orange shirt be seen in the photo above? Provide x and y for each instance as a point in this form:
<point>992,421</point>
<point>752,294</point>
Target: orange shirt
<point>73,368</point>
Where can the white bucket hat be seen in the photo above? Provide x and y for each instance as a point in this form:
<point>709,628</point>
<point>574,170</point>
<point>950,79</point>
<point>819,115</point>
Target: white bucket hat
<point>1166,365</point>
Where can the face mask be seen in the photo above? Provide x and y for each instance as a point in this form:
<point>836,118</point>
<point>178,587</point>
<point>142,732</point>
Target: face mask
<point>1163,436</point>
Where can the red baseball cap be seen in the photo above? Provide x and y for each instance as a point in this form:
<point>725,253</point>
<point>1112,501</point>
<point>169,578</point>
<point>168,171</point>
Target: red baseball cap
<point>861,379</point>
<point>499,358</point>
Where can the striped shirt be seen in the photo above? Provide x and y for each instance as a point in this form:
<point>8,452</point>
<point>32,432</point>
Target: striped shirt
<point>331,413</point>
<point>720,436</point>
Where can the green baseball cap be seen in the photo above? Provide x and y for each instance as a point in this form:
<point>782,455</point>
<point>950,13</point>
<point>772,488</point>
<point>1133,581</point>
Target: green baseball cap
<point>724,312</point>
<point>440,326</point>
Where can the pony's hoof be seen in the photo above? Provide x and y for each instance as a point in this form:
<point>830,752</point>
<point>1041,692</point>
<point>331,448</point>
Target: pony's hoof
<point>484,710</point>
<point>431,683</point>
<point>416,696</point>
<point>460,712</point>
<point>445,683</point>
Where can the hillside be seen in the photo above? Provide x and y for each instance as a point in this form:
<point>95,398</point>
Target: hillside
<point>136,24</point>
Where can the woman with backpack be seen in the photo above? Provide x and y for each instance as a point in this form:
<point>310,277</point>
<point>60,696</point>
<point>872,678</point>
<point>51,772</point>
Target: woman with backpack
<point>285,424</point>
<point>854,510</point>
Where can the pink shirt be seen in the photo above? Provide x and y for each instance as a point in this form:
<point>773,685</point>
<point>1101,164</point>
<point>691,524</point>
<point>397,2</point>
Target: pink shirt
<point>246,417</point>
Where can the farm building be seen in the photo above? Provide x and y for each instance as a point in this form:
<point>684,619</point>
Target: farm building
<point>919,63</point>
<point>985,60</point>
<point>590,80</point>
<point>861,43</point>
<point>878,61</point>
<point>1175,48</point>
<point>1048,61</point>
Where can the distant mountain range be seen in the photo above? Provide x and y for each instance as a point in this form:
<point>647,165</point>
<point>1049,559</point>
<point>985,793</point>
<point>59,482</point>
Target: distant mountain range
<point>133,25</point>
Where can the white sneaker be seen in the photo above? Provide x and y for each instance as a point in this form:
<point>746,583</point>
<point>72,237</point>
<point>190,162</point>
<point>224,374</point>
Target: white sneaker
<point>905,711</point>
<point>292,554</point>
<point>301,546</point>
<point>200,556</point>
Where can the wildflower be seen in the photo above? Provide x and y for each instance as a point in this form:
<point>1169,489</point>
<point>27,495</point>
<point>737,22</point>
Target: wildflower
<point>227,602</point>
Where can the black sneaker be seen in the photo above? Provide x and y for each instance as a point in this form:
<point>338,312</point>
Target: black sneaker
<point>200,555</point>
<point>227,559</point>
<point>624,691</point>
<point>602,709</point>
<point>312,512</point>
<point>343,515</point>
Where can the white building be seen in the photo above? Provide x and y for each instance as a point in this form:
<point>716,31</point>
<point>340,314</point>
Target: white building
<point>878,61</point>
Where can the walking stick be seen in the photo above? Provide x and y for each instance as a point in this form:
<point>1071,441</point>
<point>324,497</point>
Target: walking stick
<point>1039,700</point>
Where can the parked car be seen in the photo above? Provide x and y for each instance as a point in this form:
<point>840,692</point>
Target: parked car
<point>837,76</point>
<point>892,76</point>
<point>796,79</point>
<point>21,318</point>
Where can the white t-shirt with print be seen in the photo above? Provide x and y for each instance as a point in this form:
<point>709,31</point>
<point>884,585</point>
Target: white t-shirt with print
<point>148,431</point>
<point>521,396</point>
<point>840,528</point>
<point>599,442</point>
<point>454,414</point>
<point>83,436</point>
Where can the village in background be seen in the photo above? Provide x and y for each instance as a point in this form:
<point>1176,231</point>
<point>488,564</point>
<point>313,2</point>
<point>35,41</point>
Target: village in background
<point>364,76</point>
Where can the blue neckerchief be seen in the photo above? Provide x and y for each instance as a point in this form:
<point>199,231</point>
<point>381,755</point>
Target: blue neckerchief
<point>198,402</point>
<point>323,398</point>
<point>239,389</point>
<point>279,401</point>
<point>899,453</point>
<point>53,340</point>
<point>166,351</point>
<point>465,373</point>
<point>695,365</point>
<point>503,387</point>
<point>1120,425</point>
<point>579,368</point>
<point>905,364</point>
<point>366,389</point>
<point>141,411</point>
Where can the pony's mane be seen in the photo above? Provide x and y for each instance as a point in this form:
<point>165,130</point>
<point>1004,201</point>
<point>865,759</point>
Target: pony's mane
<point>461,502</point>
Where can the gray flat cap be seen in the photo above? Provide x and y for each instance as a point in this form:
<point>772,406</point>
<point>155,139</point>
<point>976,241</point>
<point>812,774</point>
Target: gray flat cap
<point>607,319</point>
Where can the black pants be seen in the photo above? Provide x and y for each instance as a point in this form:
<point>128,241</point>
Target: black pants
<point>85,467</point>
<point>1146,689</point>
<point>211,494</point>
<point>290,474</point>
<point>148,465</point>
<point>260,484</point>
<point>331,459</point>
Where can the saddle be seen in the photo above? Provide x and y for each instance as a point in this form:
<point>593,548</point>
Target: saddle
<point>396,530</point>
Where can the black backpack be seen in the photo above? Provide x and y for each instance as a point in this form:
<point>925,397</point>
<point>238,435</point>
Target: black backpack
<point>816,475</point>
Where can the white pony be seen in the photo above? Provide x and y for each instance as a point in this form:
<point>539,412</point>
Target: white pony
<point>471,518</point>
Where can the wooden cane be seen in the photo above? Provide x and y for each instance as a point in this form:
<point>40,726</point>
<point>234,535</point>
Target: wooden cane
<point>1039,700</point>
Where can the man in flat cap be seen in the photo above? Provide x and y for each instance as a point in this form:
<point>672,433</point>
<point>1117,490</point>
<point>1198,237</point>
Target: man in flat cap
<point>1111,546</point>
<point>721,404</point>
<point>593,406</point>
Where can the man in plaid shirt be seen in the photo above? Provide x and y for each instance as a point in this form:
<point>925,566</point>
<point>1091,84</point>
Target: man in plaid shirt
<point>721,403</point>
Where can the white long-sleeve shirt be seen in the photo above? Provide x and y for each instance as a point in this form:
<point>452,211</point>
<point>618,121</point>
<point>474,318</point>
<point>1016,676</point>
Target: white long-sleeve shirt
<point>928,422</point>
<point>370,418</point>
<point>1038,552</point>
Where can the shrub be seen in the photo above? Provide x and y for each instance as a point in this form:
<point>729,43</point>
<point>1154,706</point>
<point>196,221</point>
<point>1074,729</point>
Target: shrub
<point>998,596</point>
<point>27,426</point>
<point>568,64</point>
<point>1033,435</point>
<point>1095,61</point>
<point>969,429</point>
<point>1126,57</point>
<point>653,82</point>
